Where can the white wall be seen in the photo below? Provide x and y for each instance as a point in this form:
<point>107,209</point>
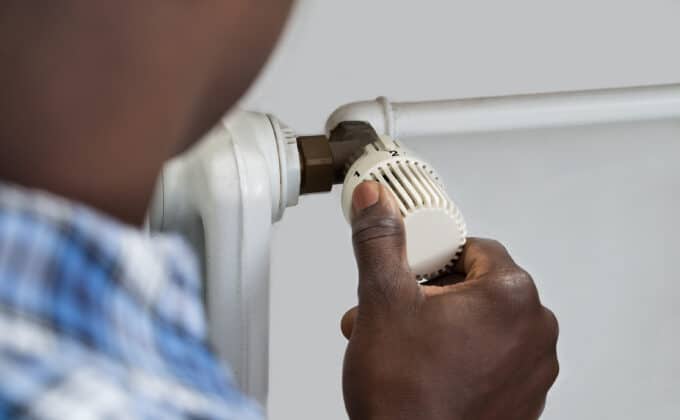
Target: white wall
<point>590,211</point>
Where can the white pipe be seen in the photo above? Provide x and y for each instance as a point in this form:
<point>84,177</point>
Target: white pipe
<point>431,118</point>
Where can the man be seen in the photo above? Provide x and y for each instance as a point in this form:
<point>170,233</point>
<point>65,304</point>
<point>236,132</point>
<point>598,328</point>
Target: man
<point>99,321</point>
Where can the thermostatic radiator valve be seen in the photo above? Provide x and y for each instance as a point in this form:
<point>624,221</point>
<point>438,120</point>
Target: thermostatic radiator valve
<point>353,153</point>
<point>435,229</point>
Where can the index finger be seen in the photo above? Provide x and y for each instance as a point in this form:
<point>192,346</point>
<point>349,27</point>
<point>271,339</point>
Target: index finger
<point>483,256</point>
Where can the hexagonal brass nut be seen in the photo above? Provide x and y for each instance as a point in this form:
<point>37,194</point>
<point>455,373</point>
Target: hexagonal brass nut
<point>316,161</point>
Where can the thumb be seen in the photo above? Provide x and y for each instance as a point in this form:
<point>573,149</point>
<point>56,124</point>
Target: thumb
<point>380,247</point>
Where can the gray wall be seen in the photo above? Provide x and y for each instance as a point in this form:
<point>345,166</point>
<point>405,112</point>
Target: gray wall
<point>590,211</point>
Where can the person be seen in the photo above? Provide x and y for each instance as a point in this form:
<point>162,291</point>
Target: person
<point>97,320</point>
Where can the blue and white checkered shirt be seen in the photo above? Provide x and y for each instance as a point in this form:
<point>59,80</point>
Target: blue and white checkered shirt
<point>100,321</point>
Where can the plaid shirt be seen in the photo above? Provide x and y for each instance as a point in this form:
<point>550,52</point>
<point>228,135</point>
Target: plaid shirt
<point>99,320</point>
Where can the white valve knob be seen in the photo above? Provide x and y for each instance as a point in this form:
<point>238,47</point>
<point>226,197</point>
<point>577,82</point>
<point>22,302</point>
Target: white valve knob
<point>435,229</point>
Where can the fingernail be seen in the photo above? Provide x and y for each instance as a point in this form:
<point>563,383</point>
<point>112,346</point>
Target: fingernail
<point>365,195</point>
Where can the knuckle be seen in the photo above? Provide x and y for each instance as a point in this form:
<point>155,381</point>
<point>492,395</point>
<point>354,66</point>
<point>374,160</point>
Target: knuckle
<point>485,245</point>
<point>516,288</point>
<point>555,369</point>
<point>381,292</point>
<point>495,245</point>
<point>552,371</point>
<point>372,229</point>
<point>520,278</point>
<point>391,290</point>
<point>551,327</point>
<point>547,372</point>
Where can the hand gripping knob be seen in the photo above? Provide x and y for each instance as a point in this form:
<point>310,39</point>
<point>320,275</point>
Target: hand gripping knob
<point>435,229</point>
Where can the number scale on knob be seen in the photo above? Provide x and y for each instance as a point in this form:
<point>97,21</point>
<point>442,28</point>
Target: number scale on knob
<point>435,229</point>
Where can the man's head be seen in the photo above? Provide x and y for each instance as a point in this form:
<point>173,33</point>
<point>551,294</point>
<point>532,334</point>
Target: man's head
<point>96,95</point>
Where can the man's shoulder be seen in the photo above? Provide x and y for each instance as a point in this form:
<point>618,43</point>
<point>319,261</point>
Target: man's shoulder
<point>98,314</point>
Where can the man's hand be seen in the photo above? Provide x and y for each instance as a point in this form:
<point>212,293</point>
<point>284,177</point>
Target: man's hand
<point>480,348</point>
